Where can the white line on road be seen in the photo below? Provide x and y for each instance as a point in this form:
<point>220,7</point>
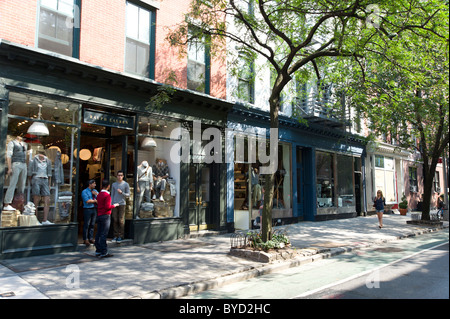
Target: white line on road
<point>311,292</point>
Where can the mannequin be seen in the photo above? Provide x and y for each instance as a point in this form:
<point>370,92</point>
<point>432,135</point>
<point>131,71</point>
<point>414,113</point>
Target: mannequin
<point>40,173</point>
<point>256,187</point>
<point>17,169</point>
<point>144,182</point>
<point>160,173</point>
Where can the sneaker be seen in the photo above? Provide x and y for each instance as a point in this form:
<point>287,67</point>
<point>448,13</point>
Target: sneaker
<point>161,199</point>
<point>114,240</point>
<point>9,207</point>
<point>105,255</point>
<point>154,197</point>
<point>47,223</point>
<point>119,240</point>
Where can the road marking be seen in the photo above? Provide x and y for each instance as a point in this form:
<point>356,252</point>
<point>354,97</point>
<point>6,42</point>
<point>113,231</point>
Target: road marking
<point>311,292</point>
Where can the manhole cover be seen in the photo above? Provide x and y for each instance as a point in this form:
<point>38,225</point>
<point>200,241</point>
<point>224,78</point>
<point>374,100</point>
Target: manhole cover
<point>388,249</point>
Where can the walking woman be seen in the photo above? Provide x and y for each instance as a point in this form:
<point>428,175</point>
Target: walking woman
<point>379,203</point>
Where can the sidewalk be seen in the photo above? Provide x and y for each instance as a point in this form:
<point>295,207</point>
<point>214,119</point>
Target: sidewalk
<point>176,268</point>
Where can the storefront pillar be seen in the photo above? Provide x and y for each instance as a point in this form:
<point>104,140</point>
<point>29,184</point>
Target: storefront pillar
<point>4,107</point>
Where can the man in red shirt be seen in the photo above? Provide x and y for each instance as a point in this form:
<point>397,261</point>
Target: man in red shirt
<point>104,207</point>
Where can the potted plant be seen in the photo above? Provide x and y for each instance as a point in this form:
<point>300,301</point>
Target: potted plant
<point>403,205</point>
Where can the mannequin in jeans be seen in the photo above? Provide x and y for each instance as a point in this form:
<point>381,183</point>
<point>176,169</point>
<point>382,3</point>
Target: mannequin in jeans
<point>17,169</point>
<point>40,172</point>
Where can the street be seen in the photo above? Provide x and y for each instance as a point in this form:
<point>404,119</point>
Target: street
<point>416,267</point>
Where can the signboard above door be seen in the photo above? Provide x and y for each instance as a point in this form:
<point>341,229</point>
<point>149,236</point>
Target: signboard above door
<point>108,119</point>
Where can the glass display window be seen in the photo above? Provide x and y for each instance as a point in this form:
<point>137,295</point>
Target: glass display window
<point>335,182</point>
<point>158,175</point>
<point>325,179</point>
<point>385,177</point>
<point>40,163</point>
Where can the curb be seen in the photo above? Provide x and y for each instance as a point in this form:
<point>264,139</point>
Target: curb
<point>253,272</point>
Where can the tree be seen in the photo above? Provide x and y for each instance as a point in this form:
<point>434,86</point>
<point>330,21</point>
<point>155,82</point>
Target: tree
<point>403,89</point>
<point>294,34</point>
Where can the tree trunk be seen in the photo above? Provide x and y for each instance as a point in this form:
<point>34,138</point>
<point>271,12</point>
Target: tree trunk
<point>428,176</point>
<point>266,230</point>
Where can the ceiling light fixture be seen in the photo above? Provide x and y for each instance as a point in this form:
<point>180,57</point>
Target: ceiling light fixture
<point>148,142</point>
<point>38,128</point>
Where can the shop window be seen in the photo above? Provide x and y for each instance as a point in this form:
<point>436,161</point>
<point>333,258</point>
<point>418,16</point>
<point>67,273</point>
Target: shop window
<point>198,63</point>
<point>335,182</point>
<point>325,179</point>
<point>385,177</point>
<point>249,185</point>
<point>345,185</point>
<point>39,188</point>
<point>57,26</point>
<point>139,44</point>
<point>158,176</point>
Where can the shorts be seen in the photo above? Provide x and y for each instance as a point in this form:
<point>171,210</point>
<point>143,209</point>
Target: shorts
<point>39,187</point>
<point>380,210</point>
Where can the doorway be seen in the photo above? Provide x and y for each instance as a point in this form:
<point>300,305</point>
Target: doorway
<point>200,197</point>
<point>300,181</point>
<point>103,152</point>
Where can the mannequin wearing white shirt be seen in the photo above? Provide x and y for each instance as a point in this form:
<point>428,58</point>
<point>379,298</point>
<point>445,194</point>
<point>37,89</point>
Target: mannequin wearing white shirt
<point>144,183</point>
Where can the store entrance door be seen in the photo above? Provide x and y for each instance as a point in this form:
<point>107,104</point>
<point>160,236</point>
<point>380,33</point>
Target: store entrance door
<point>300,182</point>
<point>102,155</point>
<point>200,208</point>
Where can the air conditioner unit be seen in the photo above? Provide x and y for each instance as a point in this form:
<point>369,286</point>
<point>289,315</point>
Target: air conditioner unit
<point>413,189</point>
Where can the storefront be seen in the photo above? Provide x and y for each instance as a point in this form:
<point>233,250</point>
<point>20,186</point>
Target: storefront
<point>319,173</point>
<point>89,123</point>
<point>387,171</point>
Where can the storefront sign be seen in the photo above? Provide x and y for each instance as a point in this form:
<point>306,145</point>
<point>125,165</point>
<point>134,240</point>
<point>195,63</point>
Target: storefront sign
<point>107,119</point>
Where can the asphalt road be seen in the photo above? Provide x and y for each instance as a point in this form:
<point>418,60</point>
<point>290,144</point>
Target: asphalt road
<point>416,267</point>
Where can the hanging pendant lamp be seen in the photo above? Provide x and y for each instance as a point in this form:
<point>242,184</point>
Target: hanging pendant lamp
<point>38,128</point>
<point>148,142</point>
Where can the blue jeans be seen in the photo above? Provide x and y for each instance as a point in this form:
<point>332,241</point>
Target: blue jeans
<point>89,222</point>
<point>103,223</point>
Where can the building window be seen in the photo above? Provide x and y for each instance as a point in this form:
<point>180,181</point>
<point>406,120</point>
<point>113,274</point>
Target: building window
<point>58,25</point>
<point>198,63</point>
<point>413,179</point>
<point>436,182</point>
<point>245,79</point>
<point>139,52</point>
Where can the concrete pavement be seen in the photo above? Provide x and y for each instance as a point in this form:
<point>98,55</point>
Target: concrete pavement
<point>176,268</point>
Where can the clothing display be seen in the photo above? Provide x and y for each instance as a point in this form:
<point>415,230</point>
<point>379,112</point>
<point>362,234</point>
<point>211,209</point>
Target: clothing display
<point>144,179</point>
<point>40,170</point>
<point>16,158</point>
